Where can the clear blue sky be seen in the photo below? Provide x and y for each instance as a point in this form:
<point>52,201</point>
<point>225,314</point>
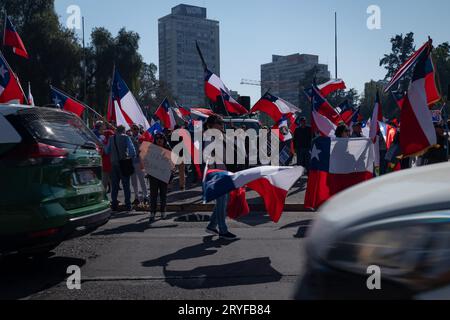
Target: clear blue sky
<point>252,30</point>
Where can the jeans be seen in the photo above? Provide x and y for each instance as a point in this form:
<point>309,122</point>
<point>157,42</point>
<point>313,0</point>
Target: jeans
<point>304,158</point>
<point>158,187</point>
<point>116,177</point>
<point>139,176</point>
<point>219,216</point>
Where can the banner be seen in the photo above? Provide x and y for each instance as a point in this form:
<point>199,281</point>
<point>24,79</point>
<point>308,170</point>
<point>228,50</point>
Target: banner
<point>157,161</point>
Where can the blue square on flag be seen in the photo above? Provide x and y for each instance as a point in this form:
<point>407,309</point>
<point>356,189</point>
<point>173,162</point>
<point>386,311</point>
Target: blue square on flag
<point>320,154</point>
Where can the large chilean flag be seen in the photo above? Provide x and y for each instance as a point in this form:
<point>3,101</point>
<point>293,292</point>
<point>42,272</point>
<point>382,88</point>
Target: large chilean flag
<point>271,183</point>
<point>10,90</point>
<point>215,89</point>
<point>66,103</point>
<point>127,103</point>
<point>275,107</point>
<point>417,129</point>
<point>422,56</point>
<point>337,164</point>
<point>12,39</point>
<point>325,118</point>
<point>166,115</point>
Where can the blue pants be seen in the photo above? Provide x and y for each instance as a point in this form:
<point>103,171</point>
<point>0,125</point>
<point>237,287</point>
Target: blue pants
<point>219,216</point>
<point>116,177</point>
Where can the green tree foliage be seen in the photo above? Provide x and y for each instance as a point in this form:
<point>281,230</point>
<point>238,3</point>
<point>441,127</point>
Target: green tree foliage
<point>402,49</point>
<point>441,58</point>
<point>55,54</point>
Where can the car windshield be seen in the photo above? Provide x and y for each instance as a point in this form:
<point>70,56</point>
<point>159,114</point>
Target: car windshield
<point>49,125</point>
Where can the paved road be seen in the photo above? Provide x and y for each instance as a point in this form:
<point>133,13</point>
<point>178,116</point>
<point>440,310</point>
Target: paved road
<point>128,259</point>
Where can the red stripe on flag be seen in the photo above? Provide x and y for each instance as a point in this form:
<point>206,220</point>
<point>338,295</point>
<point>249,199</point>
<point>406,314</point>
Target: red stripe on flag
<point>323,185</point>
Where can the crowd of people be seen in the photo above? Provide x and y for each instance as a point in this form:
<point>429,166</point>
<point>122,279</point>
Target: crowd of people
<point>122,148</point>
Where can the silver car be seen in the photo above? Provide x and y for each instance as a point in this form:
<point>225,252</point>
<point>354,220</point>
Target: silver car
<point>396,228</point>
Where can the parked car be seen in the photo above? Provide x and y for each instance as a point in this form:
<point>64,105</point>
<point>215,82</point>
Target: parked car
<point>231,123</point>
<point>50,173</point>
<point>399,223</point>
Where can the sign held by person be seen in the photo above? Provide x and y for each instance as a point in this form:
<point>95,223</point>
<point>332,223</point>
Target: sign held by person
<point>157,161</point>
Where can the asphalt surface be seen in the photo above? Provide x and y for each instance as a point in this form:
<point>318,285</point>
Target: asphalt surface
<point>130,259</point>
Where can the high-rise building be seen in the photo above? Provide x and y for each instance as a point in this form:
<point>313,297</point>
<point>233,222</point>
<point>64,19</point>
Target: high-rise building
<point>179,63</point>
<point>284,74</point>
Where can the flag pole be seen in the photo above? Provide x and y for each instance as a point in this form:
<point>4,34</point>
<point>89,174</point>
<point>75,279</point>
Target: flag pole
<point>336,44</point>
<point>78,101</point>
<point>15,76</point>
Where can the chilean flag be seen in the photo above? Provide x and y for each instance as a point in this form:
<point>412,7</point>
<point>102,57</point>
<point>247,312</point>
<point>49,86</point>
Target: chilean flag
<point>271,183</point>
<point>417,129</point>
<point>325,118</point>
<point>377,117</point>
<point>337,164</point>
<point>399,98</point>
<point>66,103</point>
<point>10,90</point>
<point>275,107</point>
<point>12,39</point>
<point>331,86</point>
<point>347,112</point>
<point>202,113</point>
<point>166,115</point>
<point>215,89</point>
<point>150,133</point>
<point>389,132</point>
<point>127,103</point>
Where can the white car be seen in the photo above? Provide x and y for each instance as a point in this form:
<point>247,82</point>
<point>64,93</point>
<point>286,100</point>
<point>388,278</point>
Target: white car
<point>396,227</point>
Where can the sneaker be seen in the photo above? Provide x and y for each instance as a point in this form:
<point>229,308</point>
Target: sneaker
<point>228,236</point>
<point>214,232</point>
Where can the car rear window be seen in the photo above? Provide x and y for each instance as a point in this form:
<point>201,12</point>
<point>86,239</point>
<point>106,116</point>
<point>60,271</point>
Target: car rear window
<point>49,125</point>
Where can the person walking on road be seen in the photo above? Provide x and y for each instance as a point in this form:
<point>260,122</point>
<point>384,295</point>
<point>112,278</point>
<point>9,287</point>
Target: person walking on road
<point>219,216</point>
<point>120,147</point>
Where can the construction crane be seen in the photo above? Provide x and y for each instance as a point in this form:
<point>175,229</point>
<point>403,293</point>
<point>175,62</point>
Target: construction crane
<point>251,82</point>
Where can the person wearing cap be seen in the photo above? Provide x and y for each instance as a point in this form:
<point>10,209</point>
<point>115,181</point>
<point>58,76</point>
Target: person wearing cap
<point>158,188</point>
<point>219,216</point>
<point>303,144</point>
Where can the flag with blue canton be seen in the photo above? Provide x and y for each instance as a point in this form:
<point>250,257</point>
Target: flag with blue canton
<point>320,154</point>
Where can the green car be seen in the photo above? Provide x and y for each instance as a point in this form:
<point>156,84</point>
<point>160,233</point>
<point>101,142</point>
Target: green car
<point>50,180</point>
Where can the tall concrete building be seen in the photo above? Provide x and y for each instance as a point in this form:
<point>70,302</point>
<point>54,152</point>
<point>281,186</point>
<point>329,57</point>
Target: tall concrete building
<point>284,74</point>
<point>179,63</point>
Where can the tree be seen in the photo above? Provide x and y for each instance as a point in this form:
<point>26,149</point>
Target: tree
<point>402,49</point>
<point>55,52</point>
<point>441,59</point>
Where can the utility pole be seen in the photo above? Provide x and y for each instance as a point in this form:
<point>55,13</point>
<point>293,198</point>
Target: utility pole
<point>336,44</point>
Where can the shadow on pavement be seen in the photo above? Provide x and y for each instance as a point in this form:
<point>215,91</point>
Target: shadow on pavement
<point>303,229</point>
<point>197,251</point>
<point>249,272</point>
<point>129,228</point>
<point>255,219</point>
<point>20,277</point>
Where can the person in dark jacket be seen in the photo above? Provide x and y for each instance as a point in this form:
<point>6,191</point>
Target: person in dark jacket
<point>119,148</point>
<point>158,187</point>
<point>438,154</point>
<point>303,144</point>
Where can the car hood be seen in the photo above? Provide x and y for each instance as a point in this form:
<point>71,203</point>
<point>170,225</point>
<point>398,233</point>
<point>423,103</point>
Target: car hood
<point>416,190</point>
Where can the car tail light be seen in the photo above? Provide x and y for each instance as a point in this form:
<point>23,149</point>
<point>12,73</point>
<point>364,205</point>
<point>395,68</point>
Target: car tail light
<point>44,234</point>
<point>33,154</point>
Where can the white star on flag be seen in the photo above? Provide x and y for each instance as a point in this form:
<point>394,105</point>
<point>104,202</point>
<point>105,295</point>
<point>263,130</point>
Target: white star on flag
<point>315,153</point>
<point>3,71</point>
<point>56,101</point>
